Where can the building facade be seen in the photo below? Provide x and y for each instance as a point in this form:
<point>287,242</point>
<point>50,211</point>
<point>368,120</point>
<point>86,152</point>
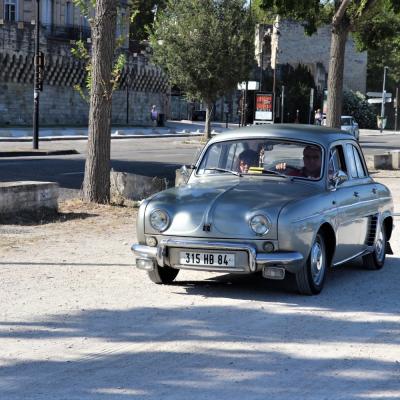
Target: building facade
<point>61,24</point>
<point>285,42</point>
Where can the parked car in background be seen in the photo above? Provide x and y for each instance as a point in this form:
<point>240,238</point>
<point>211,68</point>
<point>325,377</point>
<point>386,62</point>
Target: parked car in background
<point>277,200</point>
<point>348,124</point>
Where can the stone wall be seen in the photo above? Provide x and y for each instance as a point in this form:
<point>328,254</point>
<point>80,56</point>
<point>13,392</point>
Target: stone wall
<point>294,48</point>
<point>60,103</point>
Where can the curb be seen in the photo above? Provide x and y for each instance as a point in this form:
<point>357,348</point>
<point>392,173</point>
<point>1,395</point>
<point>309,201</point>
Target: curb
<point>26,153</point>
<point>57,138</point>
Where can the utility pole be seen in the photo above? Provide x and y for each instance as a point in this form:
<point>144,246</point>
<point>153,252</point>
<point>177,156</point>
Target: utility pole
<point>383,98</point>
<point>127,97</point>
<point>37,79</point>
<point>396,108</point>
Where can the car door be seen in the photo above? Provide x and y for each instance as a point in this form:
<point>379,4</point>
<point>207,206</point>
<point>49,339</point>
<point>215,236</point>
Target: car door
<point>347,221</point>
<point>366,189</point>
<point>355,200</point>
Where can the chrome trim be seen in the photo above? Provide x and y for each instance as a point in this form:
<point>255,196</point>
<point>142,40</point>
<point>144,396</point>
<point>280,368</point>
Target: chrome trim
<point>361,253</point>
<point>256,261</point>
<point>143,251</point>
<point>279,258</point>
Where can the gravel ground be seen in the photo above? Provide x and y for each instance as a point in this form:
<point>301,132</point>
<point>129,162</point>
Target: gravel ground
<point>78,321</point>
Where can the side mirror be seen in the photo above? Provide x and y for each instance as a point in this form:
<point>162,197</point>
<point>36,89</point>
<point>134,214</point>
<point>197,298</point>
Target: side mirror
<point>338,178</point>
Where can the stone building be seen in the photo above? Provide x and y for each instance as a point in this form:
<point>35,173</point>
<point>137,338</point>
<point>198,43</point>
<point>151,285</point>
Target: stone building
<point>286,43</point>
<point>61,24</point>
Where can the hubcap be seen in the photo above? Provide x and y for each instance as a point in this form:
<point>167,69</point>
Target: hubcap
<point>379,246</point>
<point>317,263</point>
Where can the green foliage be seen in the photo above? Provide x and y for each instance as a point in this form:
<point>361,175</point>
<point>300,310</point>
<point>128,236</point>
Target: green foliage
<point>206,46</point>
<point>355,104</point>
<point>380,35</point>
<point>298,83</point>
<point>81,52</point>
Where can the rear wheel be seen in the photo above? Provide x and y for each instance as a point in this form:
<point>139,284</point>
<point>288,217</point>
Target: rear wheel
<point>163,275</point>
<point>376,259</point>
<point>310,279</point>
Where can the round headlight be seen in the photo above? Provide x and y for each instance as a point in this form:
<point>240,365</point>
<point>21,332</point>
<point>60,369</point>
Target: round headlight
<point>159,220</point>
<point>260,224</point>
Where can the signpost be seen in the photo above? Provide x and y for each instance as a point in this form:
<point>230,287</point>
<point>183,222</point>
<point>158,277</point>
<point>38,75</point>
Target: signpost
<point>264,108</point>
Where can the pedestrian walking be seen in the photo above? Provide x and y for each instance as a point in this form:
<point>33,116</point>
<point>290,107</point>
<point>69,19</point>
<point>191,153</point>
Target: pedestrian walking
<point>154,115</point>
<point>318,117</point>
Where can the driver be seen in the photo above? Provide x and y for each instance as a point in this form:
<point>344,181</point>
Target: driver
<point>312,164</point>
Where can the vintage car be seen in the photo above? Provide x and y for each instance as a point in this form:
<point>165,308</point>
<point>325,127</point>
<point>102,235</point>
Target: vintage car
<point>274,199</point>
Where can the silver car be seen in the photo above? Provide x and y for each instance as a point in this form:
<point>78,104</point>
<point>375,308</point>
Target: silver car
<point>349,124</point>
<point>277,200</point>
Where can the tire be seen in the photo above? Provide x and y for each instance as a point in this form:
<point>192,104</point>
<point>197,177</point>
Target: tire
<point>163,275</point>
<point>376,259</point>
<point>311,278</point>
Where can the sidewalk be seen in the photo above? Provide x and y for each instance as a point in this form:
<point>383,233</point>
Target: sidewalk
<point>172,128</point>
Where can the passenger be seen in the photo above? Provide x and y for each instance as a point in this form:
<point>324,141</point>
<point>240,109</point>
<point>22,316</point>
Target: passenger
<point>247,159</point>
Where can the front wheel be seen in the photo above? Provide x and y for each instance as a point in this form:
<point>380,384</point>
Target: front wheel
<point>163,275</point>
<point>310,279</point>
<point>376,259</point>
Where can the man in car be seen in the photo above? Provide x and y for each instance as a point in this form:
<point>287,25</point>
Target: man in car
<point>312,158</point>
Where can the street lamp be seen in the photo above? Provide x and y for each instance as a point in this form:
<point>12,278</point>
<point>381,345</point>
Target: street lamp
<point>36,80</point>
<point>383,98</point>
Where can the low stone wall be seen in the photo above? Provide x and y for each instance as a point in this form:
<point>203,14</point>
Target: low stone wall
<point>135,187</point>
<point>29,196</point>
<point>389,160</point>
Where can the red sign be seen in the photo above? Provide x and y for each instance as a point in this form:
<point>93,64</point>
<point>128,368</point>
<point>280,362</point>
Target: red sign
<point>264,107</point>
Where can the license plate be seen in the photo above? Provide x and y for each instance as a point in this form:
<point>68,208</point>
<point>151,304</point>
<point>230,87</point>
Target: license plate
<point>208,259</point>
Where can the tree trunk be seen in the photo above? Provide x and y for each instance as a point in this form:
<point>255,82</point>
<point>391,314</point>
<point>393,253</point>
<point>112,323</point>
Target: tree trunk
<point>96,184</point>
<point>207,128</point>
<point>335,75</point>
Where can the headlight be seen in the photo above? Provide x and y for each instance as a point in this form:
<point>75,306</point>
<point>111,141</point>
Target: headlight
<point>159,220</point>
<point>260,224</point>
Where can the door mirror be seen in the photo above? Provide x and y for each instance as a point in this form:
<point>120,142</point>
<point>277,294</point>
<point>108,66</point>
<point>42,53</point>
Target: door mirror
<point>338,178</point>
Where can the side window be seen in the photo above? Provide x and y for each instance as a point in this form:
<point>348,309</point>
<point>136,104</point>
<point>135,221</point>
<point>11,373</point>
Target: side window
<point>336,161</point>
<point>361,173</point>
<point>351,160</point>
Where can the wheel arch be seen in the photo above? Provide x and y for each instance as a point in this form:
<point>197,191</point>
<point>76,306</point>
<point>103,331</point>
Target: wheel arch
<point>329,236</point>
<point>388,225</point>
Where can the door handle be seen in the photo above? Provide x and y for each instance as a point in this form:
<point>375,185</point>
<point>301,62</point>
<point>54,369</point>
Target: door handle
<point>356,194</point>
<point>374,190</point>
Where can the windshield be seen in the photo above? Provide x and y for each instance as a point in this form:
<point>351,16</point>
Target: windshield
<point>346,121</point>
<point>261,156</point>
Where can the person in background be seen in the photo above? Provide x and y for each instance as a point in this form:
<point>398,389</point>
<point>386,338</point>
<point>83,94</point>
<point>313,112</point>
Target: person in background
<point>154,115</point>
<point>318,117</point>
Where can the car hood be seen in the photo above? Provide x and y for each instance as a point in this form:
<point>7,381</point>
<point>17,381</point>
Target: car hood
<point>226,206</point>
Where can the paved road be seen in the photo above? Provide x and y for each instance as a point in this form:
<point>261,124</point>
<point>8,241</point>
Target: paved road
<point>151,157</point>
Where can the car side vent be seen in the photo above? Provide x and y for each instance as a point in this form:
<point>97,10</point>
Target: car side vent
<point>372,224</point>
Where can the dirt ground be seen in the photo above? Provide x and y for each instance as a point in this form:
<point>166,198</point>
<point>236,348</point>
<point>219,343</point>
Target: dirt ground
<point>78,321</point>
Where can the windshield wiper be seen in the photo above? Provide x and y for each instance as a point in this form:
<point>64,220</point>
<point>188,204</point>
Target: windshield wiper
<point>223,170</point>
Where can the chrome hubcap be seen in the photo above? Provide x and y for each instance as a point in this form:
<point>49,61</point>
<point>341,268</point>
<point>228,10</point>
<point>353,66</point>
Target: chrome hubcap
<point>317,263</point>
<point>379,246</point>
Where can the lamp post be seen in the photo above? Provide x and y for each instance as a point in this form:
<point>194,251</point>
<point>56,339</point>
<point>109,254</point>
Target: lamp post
<point>383,97</point>
<point>36,80</point>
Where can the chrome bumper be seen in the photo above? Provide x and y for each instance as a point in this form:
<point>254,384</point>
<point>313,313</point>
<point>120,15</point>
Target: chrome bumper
<point>290,261</point>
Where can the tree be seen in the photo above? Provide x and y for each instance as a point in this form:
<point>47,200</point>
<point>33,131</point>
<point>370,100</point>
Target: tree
<point>345,16</point>
<point>96,183</point>
<point>205,46</point>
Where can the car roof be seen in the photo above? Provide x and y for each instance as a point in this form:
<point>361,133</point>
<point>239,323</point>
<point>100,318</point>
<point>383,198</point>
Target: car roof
<point>308,133</point>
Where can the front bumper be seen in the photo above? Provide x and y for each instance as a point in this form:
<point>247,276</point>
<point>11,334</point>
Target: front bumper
<point>290,261</point>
